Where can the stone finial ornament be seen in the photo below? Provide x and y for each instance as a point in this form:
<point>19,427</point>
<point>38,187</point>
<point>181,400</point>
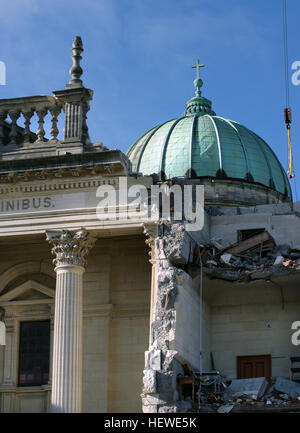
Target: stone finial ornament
<point>76,70</point>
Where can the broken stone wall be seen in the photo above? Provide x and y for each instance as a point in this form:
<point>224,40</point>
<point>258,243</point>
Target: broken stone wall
<point>239,317</point>
<point>172,248</point>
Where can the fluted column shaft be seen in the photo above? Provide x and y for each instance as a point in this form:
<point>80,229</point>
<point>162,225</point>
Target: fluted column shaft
<point>71,249</point>
<point>67,349</point>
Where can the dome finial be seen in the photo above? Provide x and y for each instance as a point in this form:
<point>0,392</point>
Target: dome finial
<point>198,83</point>
<point>198,105</point>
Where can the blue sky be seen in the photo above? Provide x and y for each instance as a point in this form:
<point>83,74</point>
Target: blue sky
<point>138,57</point>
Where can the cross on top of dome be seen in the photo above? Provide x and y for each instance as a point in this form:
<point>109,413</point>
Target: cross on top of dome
<point>198,105</point>
<point>198,83</point>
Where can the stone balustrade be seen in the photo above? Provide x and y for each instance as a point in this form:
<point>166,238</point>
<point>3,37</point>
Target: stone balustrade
<point>14,134</point>
<point>19,141</point>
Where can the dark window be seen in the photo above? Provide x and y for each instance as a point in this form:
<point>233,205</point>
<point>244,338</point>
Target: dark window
<point>246,234</point>
<point>34,353</point>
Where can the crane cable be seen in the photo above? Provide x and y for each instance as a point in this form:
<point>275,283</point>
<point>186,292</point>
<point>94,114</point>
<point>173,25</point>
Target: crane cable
<point>287,110</point>
<point>286,56</point>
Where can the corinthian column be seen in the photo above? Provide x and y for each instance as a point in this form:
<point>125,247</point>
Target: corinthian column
<point>71,249</point>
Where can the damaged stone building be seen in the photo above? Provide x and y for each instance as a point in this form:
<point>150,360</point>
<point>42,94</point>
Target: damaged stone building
<point>124,314</point>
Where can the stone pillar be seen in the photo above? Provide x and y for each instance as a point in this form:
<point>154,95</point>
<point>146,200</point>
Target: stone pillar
<point>75,101</point>
<point>170,247</point>
<point>9,359</point>
<point>8,384</point>
<point>71,250</point>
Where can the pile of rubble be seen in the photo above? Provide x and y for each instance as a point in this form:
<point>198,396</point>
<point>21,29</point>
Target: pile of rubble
<point>254,394</point>
<point>253,258</point>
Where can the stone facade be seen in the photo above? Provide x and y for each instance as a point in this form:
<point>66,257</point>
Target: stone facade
<point>141,320</point>
<point>115,322</point>
<point>129,304</point>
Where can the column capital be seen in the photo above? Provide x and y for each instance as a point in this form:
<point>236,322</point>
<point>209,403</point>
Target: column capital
<point>70,247</point>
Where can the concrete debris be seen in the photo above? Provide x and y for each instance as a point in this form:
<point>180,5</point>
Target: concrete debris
<point>279,261</point>
<point>284,396</point>
<point>286,386</point>
<point>238,394</point>
<point>255,258</point>
<point>177,244</point>
<point>254,243</point>
<point>212,262</point>
<point>225,258</point>
<point>253,393</point>
<point>254,387</point>
<point>225,409</point>
<point>294,395</point>
<point>227,395</point>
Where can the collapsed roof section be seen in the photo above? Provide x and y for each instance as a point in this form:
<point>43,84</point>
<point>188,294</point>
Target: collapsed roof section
<point>255,258</point>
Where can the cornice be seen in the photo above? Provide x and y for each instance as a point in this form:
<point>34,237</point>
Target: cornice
<point>58,185</point>
<point>105,163</point>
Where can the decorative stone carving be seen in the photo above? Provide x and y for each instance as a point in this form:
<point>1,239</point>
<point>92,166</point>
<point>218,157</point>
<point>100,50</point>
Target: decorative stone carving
<point>54,130</point>
<point>70,247</point>
<point>85,129</point>
<point>27,133</point>
<point>41,113</point>
<point>150,231</point>
<point>14,115</point>
<point>21,134</point>
<point>74,101</point>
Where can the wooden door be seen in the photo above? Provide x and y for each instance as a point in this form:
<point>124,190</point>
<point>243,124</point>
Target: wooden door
<point>254,366</point>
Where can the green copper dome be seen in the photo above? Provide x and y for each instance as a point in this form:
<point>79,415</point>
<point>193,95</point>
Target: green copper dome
<point>203,145</point>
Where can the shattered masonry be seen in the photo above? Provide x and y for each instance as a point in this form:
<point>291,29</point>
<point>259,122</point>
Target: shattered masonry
<point>171,246</point>
<point>175,256</point>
